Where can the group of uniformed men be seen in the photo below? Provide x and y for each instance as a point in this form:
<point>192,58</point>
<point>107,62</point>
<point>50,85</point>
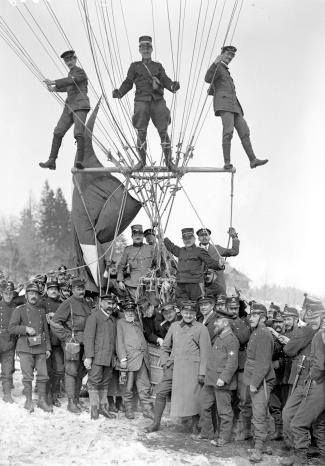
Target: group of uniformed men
<point>224,365</point>
<point>150,80</point>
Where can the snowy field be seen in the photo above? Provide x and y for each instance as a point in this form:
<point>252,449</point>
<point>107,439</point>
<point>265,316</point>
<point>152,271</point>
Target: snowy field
<point>65,439</point>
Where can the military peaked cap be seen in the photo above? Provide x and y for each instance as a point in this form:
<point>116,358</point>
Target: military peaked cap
<point>149,231</point>
<point>145,40</point>
<point>7,286</point>
<point>77,282</point>
<point>221,299</point>
<point>187,232</point>
<point>258,308</point>
<point>206,299</point>
<point>188,306</point>
<point>68,54</point>
<point>291,312</point>
<point>136,229</point>
<point>52,282</point>
<point>229,48</point>
<point>33,286</point>
<point>168,307</point>
<point>203,231</point>
<point>232,301</point>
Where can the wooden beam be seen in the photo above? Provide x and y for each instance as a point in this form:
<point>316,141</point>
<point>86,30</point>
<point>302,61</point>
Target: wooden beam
<point>153,169</point>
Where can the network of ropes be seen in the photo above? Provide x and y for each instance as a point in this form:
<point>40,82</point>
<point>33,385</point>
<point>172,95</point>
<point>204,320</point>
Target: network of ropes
<point>193,37</point>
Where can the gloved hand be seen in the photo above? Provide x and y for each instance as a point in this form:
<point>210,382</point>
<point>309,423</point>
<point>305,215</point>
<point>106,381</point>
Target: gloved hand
<point>116,94</point>
<point>232,232</point>
<point>200,379</point>
<point>175,86</point>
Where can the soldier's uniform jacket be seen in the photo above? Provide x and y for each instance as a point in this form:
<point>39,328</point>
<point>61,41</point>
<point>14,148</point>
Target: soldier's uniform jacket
<point>61,323</point>
<point>28,315</point>
<point>209,323</point>
<point>317,356</point>
<point>242,330</point>
<point>191,262</point>
<point>220,281</point>
<point>151,327</point>
<point>100,338</point>
<point>51,305</point>
<point>139,259</point>
<point>223,89</point>
<point>131,344</point>
<point>298,346</point>
<point>223,361</point>
<point>7,341</point>
<point>259,358</point>
<point>139,75</point>
<point>76,86</point>
<point>282,373</point>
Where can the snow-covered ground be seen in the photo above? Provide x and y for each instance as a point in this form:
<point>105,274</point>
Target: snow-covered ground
<point>65,439</point>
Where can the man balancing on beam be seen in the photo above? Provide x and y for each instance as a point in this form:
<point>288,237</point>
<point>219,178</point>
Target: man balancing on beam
<point>150,80</point>
<point>227,106</point>
<point>75,109</point>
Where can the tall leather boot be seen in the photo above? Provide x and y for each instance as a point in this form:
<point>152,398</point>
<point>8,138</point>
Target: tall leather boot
<point>278,433</point>
<point>94,404</point>
<point>29,399</point>
<point>80,152</point>
<point>142,151</point>
<point>257,453</point>
<point>298,458</point>
<point>158,412</point>
<point>247,145</point>
<point>56,390</point>
<point>56,144</point>
<point>246,432</point>
<point>41,403</point>
<point>129,413</point>
<point>226,156</point>
<point>111,405</point>
<point>168,156</point>
<point>6,386</point>
<point>104,409</point>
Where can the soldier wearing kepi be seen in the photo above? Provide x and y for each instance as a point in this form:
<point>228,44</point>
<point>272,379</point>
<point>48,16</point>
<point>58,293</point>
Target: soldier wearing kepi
<point>259,376</point>
<point>55,363</point>
<point>311,410</point>
<point>220,380</point>
<point>184,357</point>
<point>150,80</point>
<point>286,326</point>
<point>207,315</point>
<point>191,262</point>
<point>216,251</point>
<point>7,341</point>
<point>299,348</point>
<point>99,341</point>
<point>75,109</point>
<point>69,322</point>
<point>227,106</point>
<point>28,321</point>
<point>135,263</point>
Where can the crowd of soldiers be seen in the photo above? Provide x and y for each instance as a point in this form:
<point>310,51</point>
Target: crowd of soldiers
<point>227,365</point>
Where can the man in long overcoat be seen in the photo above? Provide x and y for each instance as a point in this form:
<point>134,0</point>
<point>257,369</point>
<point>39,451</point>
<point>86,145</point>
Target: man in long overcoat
<point>184,357</point>
<point>227,106</point>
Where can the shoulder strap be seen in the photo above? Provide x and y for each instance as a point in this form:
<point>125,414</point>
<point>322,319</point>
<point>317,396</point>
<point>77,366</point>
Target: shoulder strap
<point>72,330</point>
<point>147,69</point>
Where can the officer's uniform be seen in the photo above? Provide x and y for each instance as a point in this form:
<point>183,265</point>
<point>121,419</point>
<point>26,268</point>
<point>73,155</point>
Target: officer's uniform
<point>191,263</point>
<point>222,364</point>
<point>227,106</point>
<point>138,259</point>
<point>259,373</point>
<point>7,346</point>
<point>149,102</point>
<point>310,411</point>
<point>298,348</point>
<point>55,363</point>
<point>99,342</point>
<point>72,314</point>
<point>216,251</point>
<point>31,357</point>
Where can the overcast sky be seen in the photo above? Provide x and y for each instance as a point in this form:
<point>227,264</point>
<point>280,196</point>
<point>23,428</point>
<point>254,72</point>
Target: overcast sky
<point>279,77</point>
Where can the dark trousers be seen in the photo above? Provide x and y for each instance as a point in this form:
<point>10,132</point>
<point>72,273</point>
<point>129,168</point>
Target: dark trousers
<point>164,388</point>
<point>278,398</point>
<point>260,400</point>
<point>99,377</point>
<point>55,369</point>
<point>231,121</point>
<point>156,110</point>
<point>7,361</point>
<point>30,362</point>
<point>75,371</point>
<point>290,410</point>
<point>208,396</point>
<point>67,119</point>
<point>245,404</point>
<point>142,381</point>
<point>309,412</point>
<point>191,291</point>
